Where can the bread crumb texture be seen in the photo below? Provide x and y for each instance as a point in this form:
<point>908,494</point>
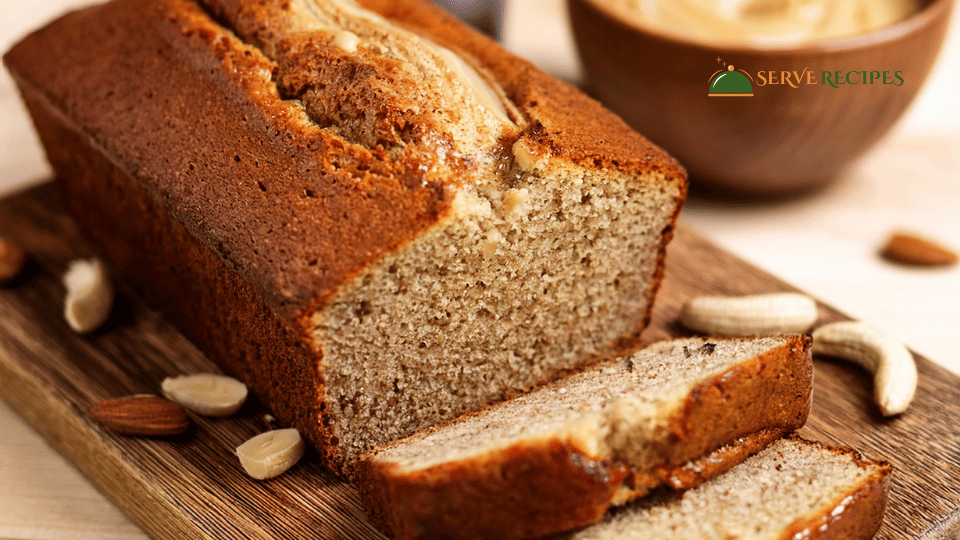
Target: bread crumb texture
<point>490,301</point>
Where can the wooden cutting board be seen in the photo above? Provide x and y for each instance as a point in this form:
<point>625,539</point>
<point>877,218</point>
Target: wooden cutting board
<point>192,486</point>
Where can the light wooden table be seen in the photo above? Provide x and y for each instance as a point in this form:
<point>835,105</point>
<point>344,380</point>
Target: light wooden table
<point>824,243</point>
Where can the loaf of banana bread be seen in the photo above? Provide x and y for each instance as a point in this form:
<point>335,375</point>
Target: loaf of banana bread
<point>374,216</point>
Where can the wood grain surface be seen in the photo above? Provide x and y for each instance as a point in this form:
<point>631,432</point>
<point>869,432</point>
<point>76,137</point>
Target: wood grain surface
<point>192,486</point>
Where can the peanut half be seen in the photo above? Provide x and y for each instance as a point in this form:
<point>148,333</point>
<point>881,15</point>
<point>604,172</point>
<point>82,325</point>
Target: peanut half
<point>776,313</point>
<point>90,295</point>
<point>891,364</point>
<point>206,393</point>
<point>271,453</point>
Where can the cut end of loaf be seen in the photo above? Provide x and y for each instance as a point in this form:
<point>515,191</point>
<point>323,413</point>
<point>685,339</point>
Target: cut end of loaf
<point>529,276</point>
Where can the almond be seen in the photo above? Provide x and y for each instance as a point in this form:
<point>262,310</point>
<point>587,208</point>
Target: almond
<point>141,415</point>
<point>908,248</point>
<point>12,260</point>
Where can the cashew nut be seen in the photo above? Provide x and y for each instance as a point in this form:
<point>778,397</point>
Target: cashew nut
<point>776,313</point>
<point>89,295</point>
<point>894,371</point>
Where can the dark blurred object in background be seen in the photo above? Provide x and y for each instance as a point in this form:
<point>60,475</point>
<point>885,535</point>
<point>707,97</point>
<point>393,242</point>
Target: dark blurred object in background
<point>484,15</point>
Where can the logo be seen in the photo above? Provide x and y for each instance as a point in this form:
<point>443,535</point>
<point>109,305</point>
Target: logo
<point>738,83</point>
<point>731,83</point>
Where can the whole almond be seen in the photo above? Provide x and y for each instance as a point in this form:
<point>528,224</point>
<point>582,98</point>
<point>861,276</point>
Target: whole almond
<point>12,260</point>
<point>908,248</point>
<point>141,415</point>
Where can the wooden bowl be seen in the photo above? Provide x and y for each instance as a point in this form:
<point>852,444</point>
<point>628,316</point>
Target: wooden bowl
<point>786,137</point>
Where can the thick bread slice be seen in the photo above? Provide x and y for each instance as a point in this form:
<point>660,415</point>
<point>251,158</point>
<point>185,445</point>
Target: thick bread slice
<point>374,216</point>
<point>794,490</point>
<point>559,456</point>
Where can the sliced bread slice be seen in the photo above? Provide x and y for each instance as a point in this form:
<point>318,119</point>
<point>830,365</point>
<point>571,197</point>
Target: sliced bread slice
<point>558,457</point>
<point>793,490</point>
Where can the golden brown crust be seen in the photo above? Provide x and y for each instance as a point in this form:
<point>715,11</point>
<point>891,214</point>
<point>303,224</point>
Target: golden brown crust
<point>524,491</point>
<point>239,331</point>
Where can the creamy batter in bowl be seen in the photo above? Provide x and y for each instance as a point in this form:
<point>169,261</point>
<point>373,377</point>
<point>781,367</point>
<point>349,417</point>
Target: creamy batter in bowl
<point>765,22</point>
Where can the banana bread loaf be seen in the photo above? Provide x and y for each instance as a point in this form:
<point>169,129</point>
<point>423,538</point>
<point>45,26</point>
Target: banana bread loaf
<point>374,216</point>
<point>558,457</point>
